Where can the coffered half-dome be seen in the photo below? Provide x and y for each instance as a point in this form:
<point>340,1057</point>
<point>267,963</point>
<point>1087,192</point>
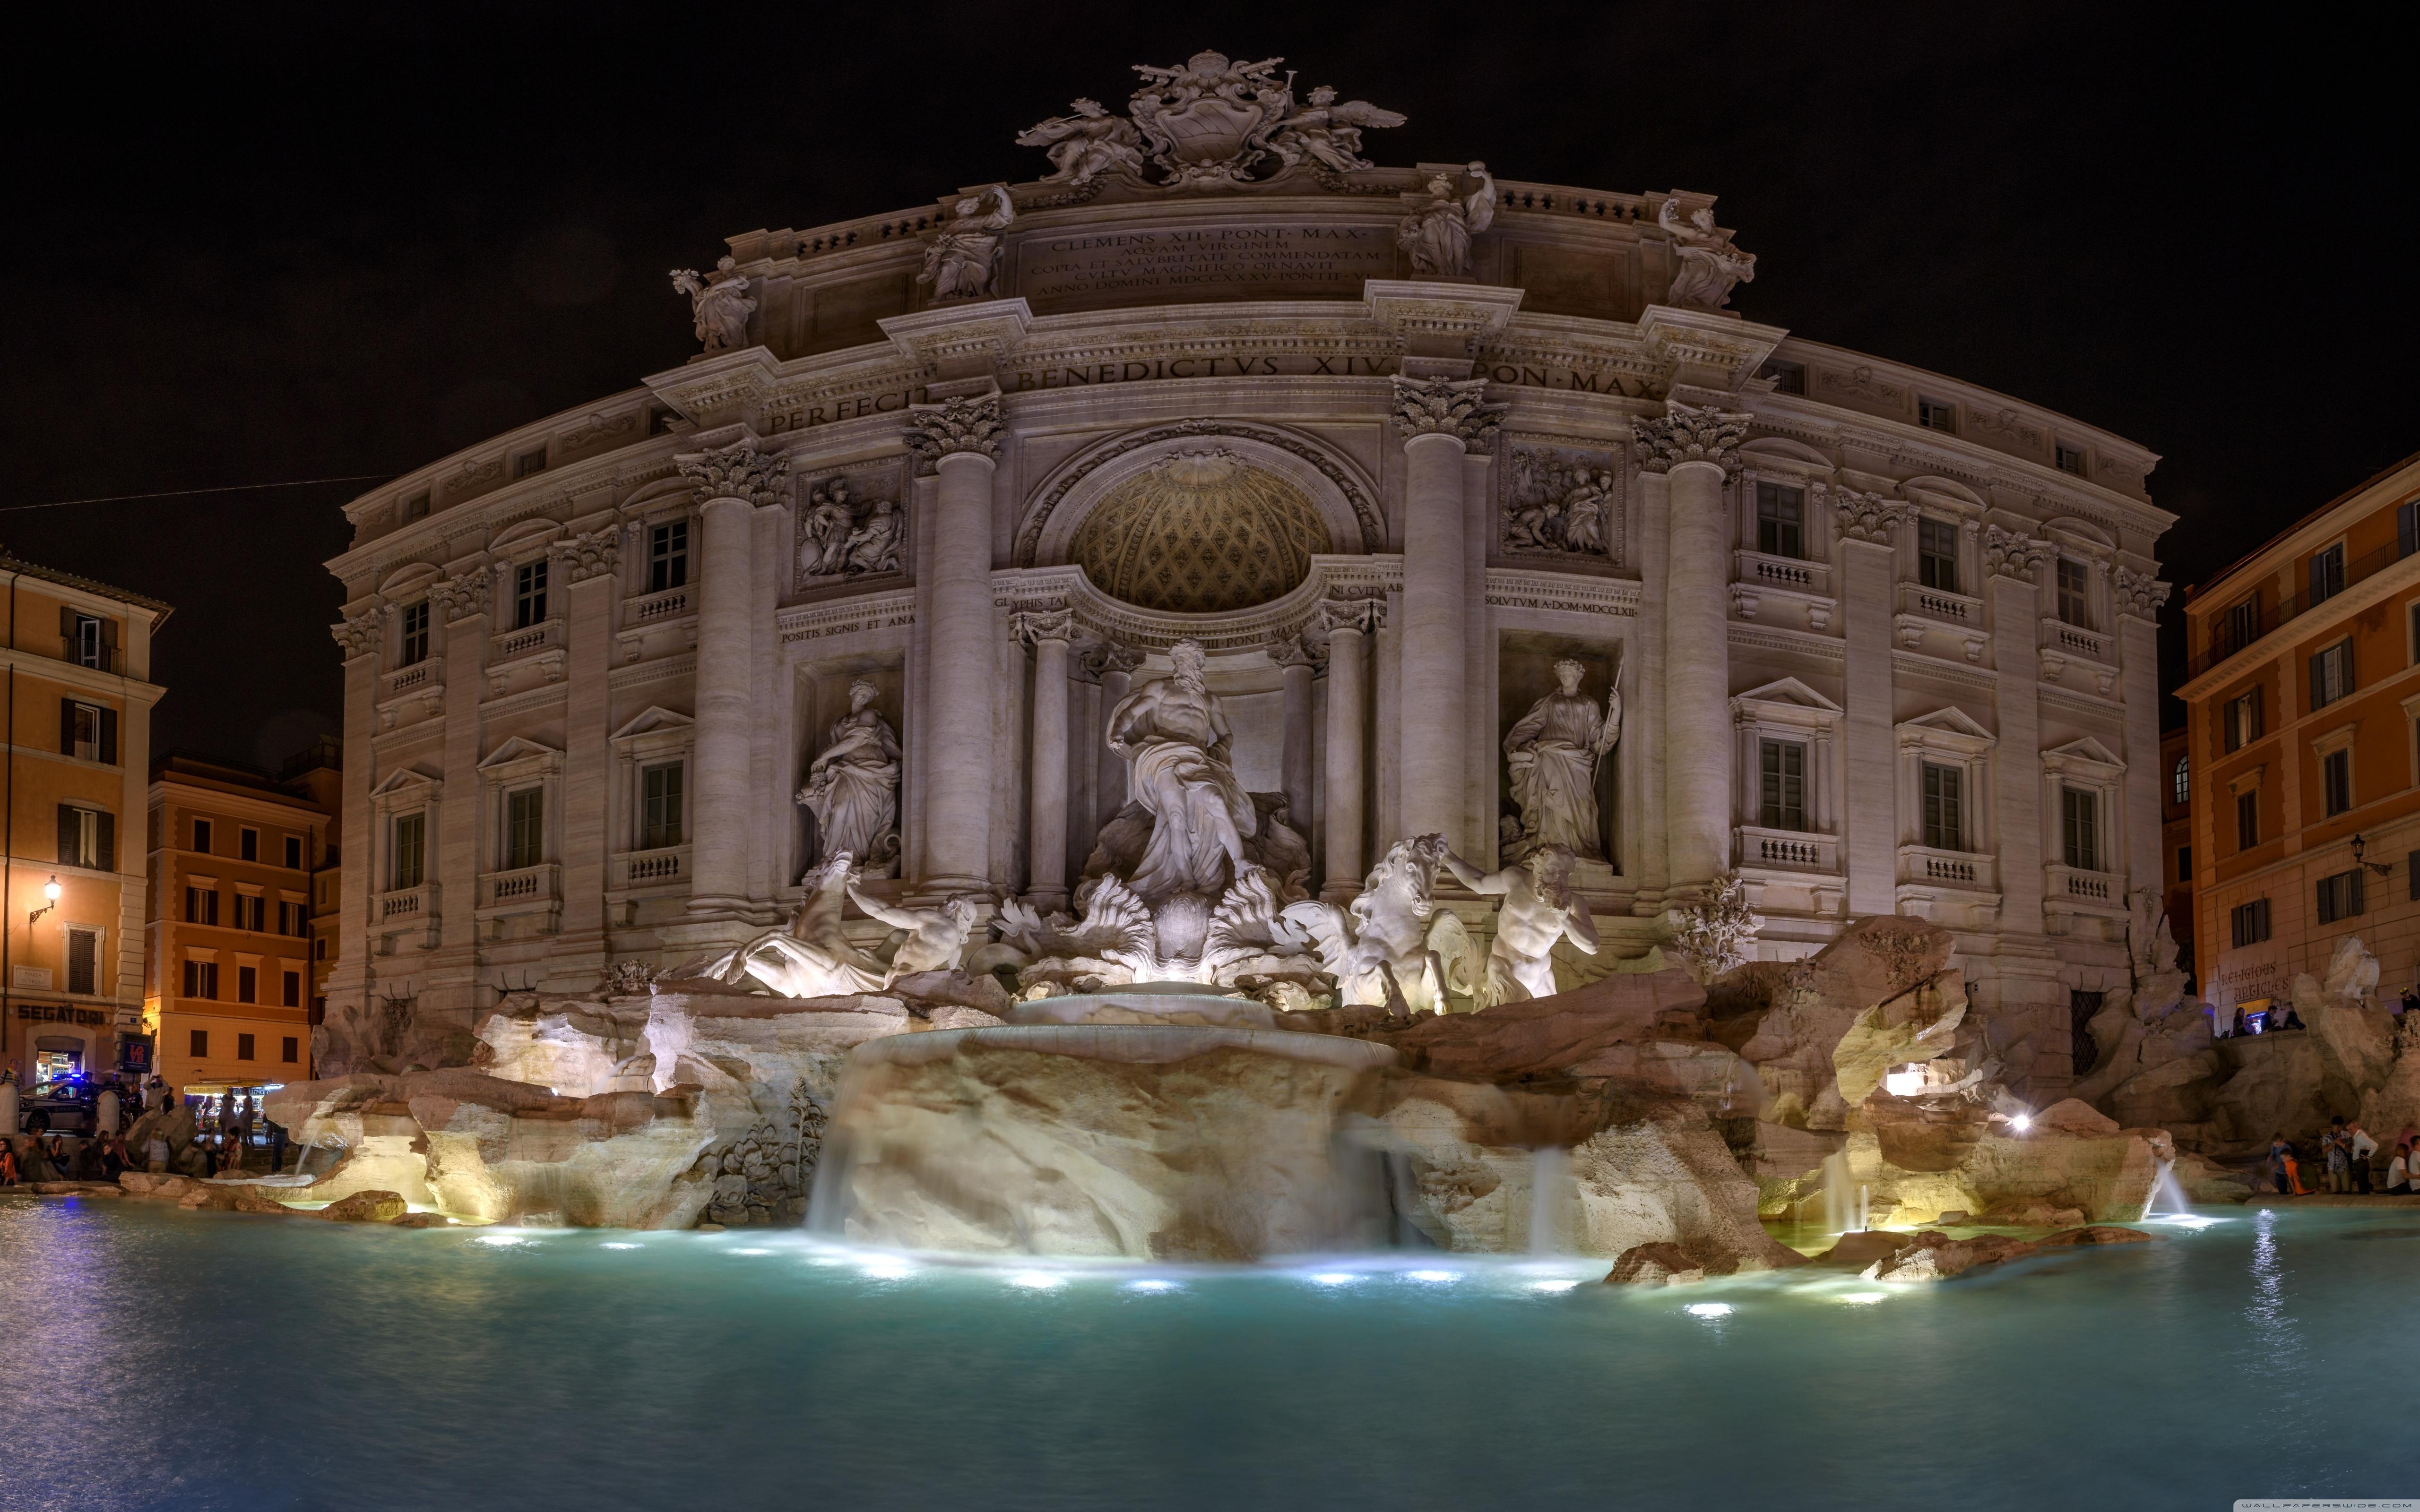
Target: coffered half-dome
<point>1198,533</point>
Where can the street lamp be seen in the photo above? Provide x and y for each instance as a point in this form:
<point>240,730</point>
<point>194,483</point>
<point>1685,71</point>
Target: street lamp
<point>51,890</point>
<point>2360,848</point>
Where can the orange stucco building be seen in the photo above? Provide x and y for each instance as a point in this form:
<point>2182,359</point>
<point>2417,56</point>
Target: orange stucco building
<point>2303,696</point>
<point>77,719</point>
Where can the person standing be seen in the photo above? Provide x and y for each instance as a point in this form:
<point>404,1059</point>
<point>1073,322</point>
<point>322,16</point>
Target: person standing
<point>276,1144</point>
<point>2362,1148</point>
<point>2338,1148</point>
<point>2398,1172</point>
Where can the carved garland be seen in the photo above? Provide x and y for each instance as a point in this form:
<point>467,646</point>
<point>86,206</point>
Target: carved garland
<point>1365,510</point>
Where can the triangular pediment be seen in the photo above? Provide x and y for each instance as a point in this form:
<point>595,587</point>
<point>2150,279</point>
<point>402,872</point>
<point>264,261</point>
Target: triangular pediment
<point>1788,690</point>
<point>518,749</point>
<point>1949,720</point>
<point>652,718</point>
<point>406,780</point>
<point>2089,751</point>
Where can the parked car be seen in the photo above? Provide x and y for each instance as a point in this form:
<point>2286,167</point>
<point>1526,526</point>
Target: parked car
<point>66,1105</point>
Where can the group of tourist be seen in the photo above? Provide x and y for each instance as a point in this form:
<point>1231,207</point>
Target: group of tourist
<point>172,1136</point>
<point>2347,1156</point>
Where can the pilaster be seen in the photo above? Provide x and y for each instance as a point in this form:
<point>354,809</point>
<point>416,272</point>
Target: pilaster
<point>1870,526</point>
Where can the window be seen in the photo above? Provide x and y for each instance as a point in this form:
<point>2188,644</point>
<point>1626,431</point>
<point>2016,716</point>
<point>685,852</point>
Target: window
<point>292,1051</point>
<point>2250,922</point>
<point>293,990</point>
<point>525,827</point>
<point>2327,573</point>
<point>201,981</point>
<point>247,984</point>
<point>2247,820</point>
<point>2407,528</point>
<point>2243,624</point>
<point>2080,819</point>
<point>529,462</point>
<point>2242,719</point>
<point>1788,377</point>
<point>2331,673</point>
<point>1945,807</point>
<point>413,648</point>
<point>2070,458</point>
<point>319,949</point>
<point>2340,896</point>
<point>416,507</point>
<point>250,911</point>
<point>89,638</point>
<point>87,837</point>
<point>1935,415</point>
<point>1781,516</point>
<point>198,1043</point>
<point>2074,594</point>
<point>247,843</point>
<point>1782,802</point>
<point>1936,554</point>
<point>410,841</point>
<point>293,852</point>
<point>660,815</point>
<point>201,906</point>
<point>292,918</point>
<point>243,1048</point>
<point>668,556</point>
<point>84,961</point>
<point>2180,780</point>
<point>87,732</point>
<point>529,594</point>
<point>2335,779</point>
<point>202,835</point>
<point>2184,863</point>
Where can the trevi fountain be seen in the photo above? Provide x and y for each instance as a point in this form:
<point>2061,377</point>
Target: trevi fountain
<point>1391,892</point>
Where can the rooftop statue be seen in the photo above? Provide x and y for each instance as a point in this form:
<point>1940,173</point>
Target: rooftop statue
<point>962,261</point>
<point>1212,122</point>
<point>1710,265</point>
<point>719,303</point>
<point>1436,234</point>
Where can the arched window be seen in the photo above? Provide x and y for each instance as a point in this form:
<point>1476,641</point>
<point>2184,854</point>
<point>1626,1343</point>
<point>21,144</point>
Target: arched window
<point>2182,778</point>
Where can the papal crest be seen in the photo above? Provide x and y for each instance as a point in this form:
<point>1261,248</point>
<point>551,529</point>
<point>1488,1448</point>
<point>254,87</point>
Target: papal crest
<point>1211,123</point>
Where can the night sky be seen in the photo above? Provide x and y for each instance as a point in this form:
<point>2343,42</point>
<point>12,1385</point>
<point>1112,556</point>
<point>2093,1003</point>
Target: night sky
<point>262,243</point>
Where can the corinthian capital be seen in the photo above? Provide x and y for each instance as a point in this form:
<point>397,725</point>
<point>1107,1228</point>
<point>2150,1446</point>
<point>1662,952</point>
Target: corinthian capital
<point>590,554</point>
<point>736,472</point>
<point>1684,433</point>
<point>1443,407</point>
<point>962,425</point>
<point>1031,626</point>
<point>462,596</point>
<point>357,635</point>
<point>2139,593</point>
<point>1870,517</point>
<point>2012,554</point>
<point>1295,651</point>
<point>1360,615</point>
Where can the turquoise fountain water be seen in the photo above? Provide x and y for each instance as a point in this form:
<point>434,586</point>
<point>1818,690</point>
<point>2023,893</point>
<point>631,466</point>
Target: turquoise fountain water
<point>160,1358</point>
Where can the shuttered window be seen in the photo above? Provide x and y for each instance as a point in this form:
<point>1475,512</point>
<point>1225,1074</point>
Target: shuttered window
<point>1782,785</point>
<point>1945,807</point>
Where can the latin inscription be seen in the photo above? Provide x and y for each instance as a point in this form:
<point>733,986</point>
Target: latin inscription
<point>1183,264</point>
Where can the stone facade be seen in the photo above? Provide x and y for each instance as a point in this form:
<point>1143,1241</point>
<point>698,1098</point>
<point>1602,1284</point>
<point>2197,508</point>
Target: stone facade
<point>1837,595</point>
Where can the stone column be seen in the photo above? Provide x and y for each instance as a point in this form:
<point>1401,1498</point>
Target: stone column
<point>1348,623</point>
<point>1696,450</point>
<point>1047,632</point>
<point>1296,660</point>
<point>1115,665</point>
<point>360,638</point>
<point>1439,420</point>
<point>588,567</point>
<point>957,443</point>
<point>2012,566</point>
<point>2138,596</point>
<point>1869,526</point>
<point>731,483</point>
<point>1642,752</point>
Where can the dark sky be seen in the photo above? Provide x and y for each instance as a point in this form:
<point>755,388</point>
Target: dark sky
<point>260,243</point>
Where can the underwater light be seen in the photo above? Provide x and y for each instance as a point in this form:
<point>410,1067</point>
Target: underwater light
<point>2021,1122</point>
<point>1150,1285</point>
<point>618,1246</point>
<point>1709,1309</point>
<point>1864,1297</point>
<point>887,1269</point>
<point>501,1240</point>
<point>1334,1278</point>
<point>1035,1280</point>
<point>1552,1286</point>
<point>752,1252</point>
<point>1430,1276</point>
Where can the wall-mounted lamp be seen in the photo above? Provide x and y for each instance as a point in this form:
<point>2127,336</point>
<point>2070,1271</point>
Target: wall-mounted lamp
<point>51,890</point>
<point>2360,848</point>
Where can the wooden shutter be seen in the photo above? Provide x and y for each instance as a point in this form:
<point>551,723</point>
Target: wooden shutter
<point>67,631</point>
<point>2407,530</point>
<point>105,840</point>
<point>67,727</point>
<point>109,735</point>
<point>70,831</point>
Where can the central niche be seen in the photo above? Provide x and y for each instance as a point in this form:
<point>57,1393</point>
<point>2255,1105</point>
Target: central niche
<point>1200,532</point>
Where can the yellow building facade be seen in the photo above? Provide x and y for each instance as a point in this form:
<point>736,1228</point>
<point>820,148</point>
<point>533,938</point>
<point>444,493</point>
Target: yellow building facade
<point>76,722</point>
<point>2303,698</point>
<point>233,864</point>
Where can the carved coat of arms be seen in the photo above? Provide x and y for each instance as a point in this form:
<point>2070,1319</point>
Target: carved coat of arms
<point>1211,123</point>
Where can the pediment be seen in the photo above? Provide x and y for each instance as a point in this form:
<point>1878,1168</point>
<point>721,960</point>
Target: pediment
<point>2079,533</point>
<point>1944,488</point>
<point>520,749</point>
<point>406,780</point>
<point>404,580</point>
<point>2086,752</point>
<point>528,532</point>
<point>1790,691</point>
<point>651,719</point>
<point>658,491</point>
<point>1949,720</point>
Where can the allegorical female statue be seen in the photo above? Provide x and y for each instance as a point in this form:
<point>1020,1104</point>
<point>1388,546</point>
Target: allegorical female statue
<point>853,786</point>
<point>1552,754</point>
<point>1175,735</point>
<point>1438,235</point>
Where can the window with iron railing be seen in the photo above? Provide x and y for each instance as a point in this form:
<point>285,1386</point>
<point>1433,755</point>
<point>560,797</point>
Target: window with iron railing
<point>2327,573</point>
<point>2332,573</point>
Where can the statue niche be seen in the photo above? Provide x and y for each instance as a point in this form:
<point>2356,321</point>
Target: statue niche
<point>852,787</point>
<point>1553,755</point>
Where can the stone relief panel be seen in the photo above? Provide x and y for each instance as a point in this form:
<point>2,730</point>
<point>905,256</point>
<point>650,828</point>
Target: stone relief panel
<point>852,524</point>
<point>1559,501</point>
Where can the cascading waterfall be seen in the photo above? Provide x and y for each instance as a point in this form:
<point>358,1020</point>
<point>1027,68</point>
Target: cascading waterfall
<point>1550,1197</point>
<point>1839,1201</point>
<point>2165,1188</point>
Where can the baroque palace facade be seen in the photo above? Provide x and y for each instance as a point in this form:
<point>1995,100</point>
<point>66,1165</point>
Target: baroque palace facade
<point>1483,514</point>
